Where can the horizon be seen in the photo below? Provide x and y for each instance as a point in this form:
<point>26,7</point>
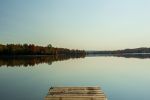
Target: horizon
<point>75,48</point>
<point>76,24</point>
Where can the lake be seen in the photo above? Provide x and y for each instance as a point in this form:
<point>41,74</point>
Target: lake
<point>120,78</point>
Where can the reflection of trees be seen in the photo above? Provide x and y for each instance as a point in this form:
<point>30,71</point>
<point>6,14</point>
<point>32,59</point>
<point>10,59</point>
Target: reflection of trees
<point>30,54</point>
<point>33,60</point>
<point>134,55</point>
<point>126,55</point>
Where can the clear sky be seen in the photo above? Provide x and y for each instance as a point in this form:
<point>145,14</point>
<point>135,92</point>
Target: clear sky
<point>81,24</point>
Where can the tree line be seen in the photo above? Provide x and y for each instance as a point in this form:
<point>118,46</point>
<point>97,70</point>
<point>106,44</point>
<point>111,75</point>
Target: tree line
<point>31,49</point>
<point>125,51</point>
<point>136,50</point>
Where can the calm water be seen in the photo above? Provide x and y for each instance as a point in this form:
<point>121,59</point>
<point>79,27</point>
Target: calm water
<point>120,78</point>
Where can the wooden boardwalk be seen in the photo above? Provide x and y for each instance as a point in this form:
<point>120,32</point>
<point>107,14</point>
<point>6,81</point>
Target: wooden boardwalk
<point>75,93</point>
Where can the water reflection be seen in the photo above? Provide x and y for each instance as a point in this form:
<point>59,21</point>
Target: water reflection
<point>11,61</point>
<point>127,55</point>
<point>135,55</point>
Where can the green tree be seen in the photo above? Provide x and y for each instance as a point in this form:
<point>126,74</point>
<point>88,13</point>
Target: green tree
<point>49,46</point>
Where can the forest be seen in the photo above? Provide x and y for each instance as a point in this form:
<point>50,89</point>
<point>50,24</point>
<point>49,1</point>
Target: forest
<point>31,49</point>
<point>124,51</point>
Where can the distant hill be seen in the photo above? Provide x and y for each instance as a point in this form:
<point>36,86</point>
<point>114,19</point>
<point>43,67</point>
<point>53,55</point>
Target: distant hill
<point>125,51</point>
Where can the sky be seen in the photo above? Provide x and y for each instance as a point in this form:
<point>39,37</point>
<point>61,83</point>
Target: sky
<point>76,24</point>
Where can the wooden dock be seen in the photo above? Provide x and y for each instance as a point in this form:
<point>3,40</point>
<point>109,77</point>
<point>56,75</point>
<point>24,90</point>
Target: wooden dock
<point>75,93</point>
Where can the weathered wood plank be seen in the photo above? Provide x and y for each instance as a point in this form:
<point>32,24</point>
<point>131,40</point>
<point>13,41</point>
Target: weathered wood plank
<point>69,98</point>
<point>75,93</point>
<point>76,88</point>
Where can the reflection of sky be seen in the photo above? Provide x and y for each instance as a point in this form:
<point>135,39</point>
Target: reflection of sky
<point>120,78</point>
<point>83,24</point>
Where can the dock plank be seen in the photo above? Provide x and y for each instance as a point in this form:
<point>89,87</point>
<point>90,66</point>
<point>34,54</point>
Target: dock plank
<point>75,93</point>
